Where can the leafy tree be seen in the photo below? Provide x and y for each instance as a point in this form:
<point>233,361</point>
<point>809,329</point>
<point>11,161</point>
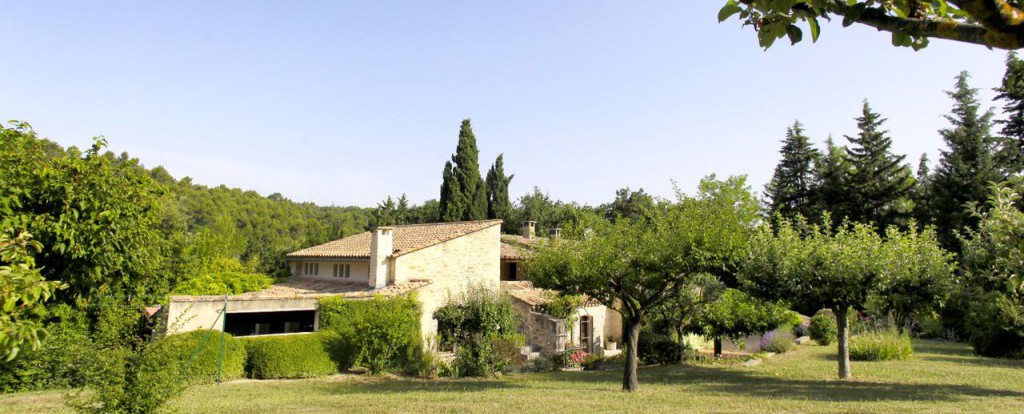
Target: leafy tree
<point>95,216</point>
<point>1011,92</point>
<point>538,206</point>
<point>463,192</point>
<point>919,277</point>
<point>967,167</point>
<point>912,23</point>
<point>629,204</point>
<point>677,315</point>
<point>23,294</point>
<point>386,213</point>
<point>813,269</point>
<point>735,315</point>
<point>879,183</point>
<point>793,188</point>
<point>498,204</point>
<point>636,266</point>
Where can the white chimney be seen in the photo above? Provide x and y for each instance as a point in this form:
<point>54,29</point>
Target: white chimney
<point>528,229</point>
<point>381,247</point>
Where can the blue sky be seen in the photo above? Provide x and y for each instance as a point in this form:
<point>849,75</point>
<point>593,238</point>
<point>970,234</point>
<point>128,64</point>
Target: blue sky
<point>344,103</point>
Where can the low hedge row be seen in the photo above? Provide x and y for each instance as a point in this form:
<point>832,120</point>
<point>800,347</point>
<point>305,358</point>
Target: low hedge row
<point>288,356</point>
<point>200,364</point>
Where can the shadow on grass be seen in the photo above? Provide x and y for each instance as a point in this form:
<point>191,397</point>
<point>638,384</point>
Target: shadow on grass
<point>411,385</point>
<point>744,383</point>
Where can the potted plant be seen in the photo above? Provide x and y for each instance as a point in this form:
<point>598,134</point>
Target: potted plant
<point>611,344</point>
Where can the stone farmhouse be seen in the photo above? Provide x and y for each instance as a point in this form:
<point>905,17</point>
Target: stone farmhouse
<point>435,261</point>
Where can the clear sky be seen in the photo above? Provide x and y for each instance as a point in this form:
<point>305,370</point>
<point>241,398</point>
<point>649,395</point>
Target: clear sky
<point>345,102</point>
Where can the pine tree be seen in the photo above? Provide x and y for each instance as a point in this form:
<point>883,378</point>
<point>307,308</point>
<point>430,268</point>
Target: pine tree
<point>463,191</point>
<point>831,195</point>
<point>498,204</point>
<point>792,190</point>
<point>402,211</point>
<point>922,194</point>
<point>967,167</point>
<point>879,183</point>
<point>1011,152</point>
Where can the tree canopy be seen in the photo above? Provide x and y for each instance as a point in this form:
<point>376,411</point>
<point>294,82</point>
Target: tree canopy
<point>990,23</point>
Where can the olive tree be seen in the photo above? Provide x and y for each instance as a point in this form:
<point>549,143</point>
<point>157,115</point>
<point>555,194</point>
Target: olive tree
<point>634,266</point>
<point>990,23</point>
<point>840,270</point>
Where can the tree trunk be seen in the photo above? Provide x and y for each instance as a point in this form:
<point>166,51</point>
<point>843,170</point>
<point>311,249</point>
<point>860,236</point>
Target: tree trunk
<point>681,341</point>
<point>718,347</point>
<point>629,382</point>
<point>843,324</point>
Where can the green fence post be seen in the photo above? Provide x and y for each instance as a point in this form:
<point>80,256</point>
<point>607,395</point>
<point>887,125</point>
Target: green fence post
<point>223,326</point>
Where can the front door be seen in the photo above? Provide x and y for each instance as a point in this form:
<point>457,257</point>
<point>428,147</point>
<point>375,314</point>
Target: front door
<point>587,333</point>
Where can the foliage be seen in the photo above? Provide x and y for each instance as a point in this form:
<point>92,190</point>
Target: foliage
<point>562,306</point>
<point>911,23</point>
<point>838,270</point>
<point>823,327</point>
<point>199,353</point>
<point>793,188</point>
<point>654,348</point>
<point>966,169</point>
<point>224,283</point>
<point>637,265</point>
<point>996,324</point>
<point>1011,92</point>
<point>126,371</point>
<point>735,315</point>
<point>95,215</point>
<point>23,294</point>
<point>880,345</point>
<point>61,359</point>
<point>499,206</point>
<point>375,334</point>
<point>482,325</point>
<point>538,206</point>
<point>629,204</point>
<point>879,182</point>
<point>463,192</point>
<point>288,356</point>
<point>776,342</point>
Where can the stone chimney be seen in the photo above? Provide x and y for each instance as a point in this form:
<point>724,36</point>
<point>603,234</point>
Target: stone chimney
<point>555,234</point>
<point>528,229</point>
<point>381,247</point>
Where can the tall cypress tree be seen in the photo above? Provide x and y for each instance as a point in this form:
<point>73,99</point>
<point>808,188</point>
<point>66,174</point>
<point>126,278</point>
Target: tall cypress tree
<point>463,191</point>
<point>791,191</point>
<point>879,183</point>
<point>1011,92</point>
<point>967,167</point>
<point>498,204</point>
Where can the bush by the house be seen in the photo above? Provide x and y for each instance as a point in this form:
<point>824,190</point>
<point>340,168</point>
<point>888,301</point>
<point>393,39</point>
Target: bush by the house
<point>654,348</point>
<point>776,342</point>
<point>59,362</point>
<point>881,345</point>
<point>996,324</point>
<point>375,334</point>
<point>200,364</point>
<point>224,283</point>
<point>482,325</point>
<point>823,329</point>
<point>288,356</point>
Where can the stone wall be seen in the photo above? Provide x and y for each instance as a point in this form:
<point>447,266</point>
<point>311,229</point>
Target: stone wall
<point>451,266</point>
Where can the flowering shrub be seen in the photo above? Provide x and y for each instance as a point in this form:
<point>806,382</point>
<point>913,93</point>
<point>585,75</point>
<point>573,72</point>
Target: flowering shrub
<point>575,357</point>
<point>776,342</point>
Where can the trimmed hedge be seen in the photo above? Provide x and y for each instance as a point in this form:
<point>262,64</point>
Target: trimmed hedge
<point>203,368</point>
<point>374,334</point>
<point>288,356</point>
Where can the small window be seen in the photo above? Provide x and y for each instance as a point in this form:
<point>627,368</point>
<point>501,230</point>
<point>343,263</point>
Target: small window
<point>292,326</point>
<point>348,271</point>
<point>262,328</point>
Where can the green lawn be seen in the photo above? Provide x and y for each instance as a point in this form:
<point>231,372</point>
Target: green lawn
<point>940,378</point>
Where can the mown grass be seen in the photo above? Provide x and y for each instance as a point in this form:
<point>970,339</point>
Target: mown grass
<point>939,378</point>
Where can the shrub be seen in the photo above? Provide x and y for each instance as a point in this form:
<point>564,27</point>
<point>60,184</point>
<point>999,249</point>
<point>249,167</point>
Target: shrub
<point>776,342</point>
<point>200,364</point>
<point>482,325</point>
<point>375,334</point>
<point>655,348</point>
<point>996,324</point>
<point>882,345</point>
<point>288,356</point>
<point>823,327</point>
<point>224,283</point>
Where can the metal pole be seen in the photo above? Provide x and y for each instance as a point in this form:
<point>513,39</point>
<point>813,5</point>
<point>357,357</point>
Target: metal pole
<point>223,326</point>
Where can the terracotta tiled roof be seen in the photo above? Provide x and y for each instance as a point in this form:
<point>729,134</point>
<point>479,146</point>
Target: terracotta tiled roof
<point>524,291</point>
<point>407,238</point>
<point>516,247</point>
<point>511,252</point>
<point>308,287</point>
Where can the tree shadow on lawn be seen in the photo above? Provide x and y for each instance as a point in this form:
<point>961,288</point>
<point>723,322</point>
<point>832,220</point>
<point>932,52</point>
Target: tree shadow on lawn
<point>959,353</point>
<point>413,385</point>
<point>732,382</point>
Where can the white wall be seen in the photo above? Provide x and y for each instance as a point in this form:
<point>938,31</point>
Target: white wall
<point>360,270</point>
